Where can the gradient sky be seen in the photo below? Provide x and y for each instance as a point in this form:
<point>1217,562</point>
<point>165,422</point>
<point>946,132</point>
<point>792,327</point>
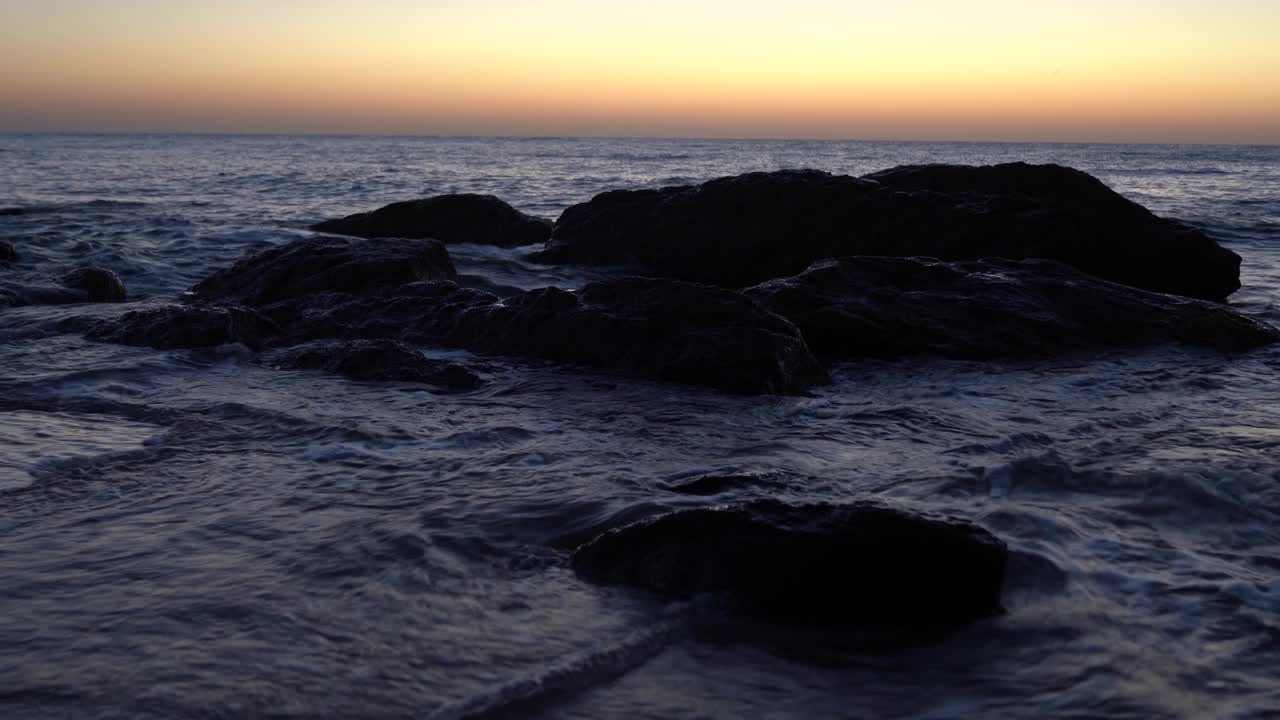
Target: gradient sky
<point>1065,70</point>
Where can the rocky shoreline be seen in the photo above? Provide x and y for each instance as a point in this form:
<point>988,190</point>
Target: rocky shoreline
<point>750,284</point>
<point>991,262</point>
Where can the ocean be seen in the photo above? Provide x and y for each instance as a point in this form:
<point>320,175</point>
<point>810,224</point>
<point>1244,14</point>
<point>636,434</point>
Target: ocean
<point>187,534</point>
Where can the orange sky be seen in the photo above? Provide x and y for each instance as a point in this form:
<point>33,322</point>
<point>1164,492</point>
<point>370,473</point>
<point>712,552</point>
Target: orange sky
<point>1122,70</point>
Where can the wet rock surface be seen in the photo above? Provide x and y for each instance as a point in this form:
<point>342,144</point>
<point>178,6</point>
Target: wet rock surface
<point>857,564</point>
<point>347,289</point>
<point>98,284</point>
<point>377,360</point>
<point>171,327</point>
<point>663,329</point>
<point>886,307</point>
<point>326,264</point>
<point>455,218</point>
<point>743,230</point>
<point>755,341</point>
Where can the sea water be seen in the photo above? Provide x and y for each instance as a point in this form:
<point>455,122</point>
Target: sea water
<point>187,534</point>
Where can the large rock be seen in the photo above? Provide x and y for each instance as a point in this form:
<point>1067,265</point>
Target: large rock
<point>663,329</point>
<point>743,230</point>
<point>170,327</point>
<point>378,360</point>
<point>887,307</point>
<point>457,218</point>
<point>853,564</point>
<point>354,289</point>
<point>98,284</point>
<point>326,264</point>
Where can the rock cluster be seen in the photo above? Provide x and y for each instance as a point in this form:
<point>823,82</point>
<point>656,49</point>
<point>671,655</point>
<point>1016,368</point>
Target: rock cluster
<point>743,230</point>
<point>747,281</point>
<point>787,235</point>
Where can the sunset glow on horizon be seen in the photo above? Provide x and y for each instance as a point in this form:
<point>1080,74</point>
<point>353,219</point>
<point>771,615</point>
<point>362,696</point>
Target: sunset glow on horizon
<point>1141,71</point>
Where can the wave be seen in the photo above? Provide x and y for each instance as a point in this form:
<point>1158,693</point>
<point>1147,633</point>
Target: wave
<point>576,673</point>
<point>647,157</point>
<point>14,211</point>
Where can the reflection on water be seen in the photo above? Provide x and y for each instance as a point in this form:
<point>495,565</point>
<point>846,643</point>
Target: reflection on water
<point>29,439</point>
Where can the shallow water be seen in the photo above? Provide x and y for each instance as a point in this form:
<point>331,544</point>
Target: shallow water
<point>190,535</point>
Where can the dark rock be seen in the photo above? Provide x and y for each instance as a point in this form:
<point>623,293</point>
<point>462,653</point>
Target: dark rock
<point>849,565</point>
<point>8,253</point>
<point>378,360</point>
<point>326,264</point>
<point>419,313</point>
<point>887,307</point>
<point>99,284</point>
<point>668,329</point>
<point>185,326</point>
<point>457,218</point>
<point>664,329</point>
<point>351,289</point>
<point>743,230</point>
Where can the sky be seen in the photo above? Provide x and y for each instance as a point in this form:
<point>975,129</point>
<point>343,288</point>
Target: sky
<point>1025,70</point>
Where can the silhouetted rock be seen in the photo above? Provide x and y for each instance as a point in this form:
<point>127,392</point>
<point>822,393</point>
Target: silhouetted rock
<point>326,264</point>
<point>187,326</point>
<point>854,564</point>
<point>98,284</point>
<point>663,329</point>
<point>743,230</point>
<point>888,307</point>
<point>418,313</point>
<point>668,329</point>
<point>8,253</point>
<point>378,360</point>
<point>457,218</point>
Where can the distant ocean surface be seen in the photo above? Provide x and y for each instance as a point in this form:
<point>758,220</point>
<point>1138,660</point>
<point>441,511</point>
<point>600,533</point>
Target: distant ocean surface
<point>191,535</point>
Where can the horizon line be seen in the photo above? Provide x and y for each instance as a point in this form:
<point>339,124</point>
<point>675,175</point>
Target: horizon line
<point>447,136</point>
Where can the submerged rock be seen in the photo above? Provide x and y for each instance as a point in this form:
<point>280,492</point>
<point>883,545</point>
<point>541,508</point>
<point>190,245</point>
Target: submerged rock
<point>378,360</point>
<point>887,307</point>
<point>743,230</point>
<point>99,284</point>
<point>171,327</point>
<point>456,218</point>
<point>8,253</point>
<point>326,264</point>
<point>828,564</point>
